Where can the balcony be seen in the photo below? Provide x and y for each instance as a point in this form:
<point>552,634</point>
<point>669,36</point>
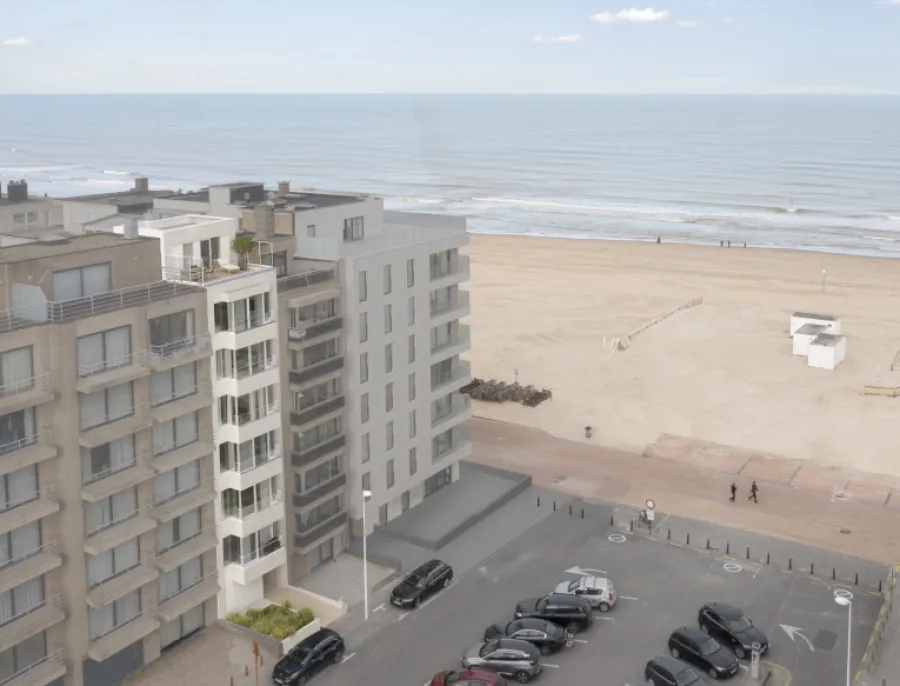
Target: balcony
<point>252,378</point>
<point>458,448</point>
<point>303,332</point>
<point>42,673</point>
<point>27,451</point>
<point>30,565</point>
<point>125,421</point>
<point>177,353</point>
<point>458,343</point>
<point>456,307</point>
<point>116,533</point>
<point>303,539</point>
<point>252,566</point>
<point>187,549</point>
<point>17,395</point>
<point>104,647</point>
<point>458,270</point>
<point>251,471</point>
<point>168,457</point>
<point>313,453</point>
<point>187,598</point>
<point>319,491</point>
<point>458,376</point>
<point>185,501</point>
<point>297,282</point>
<point>33,621</point>
<point>198,397</point>
<point>332,364</point>
<point>459,409</point>
<point>310,414</point>
<point>255,321</point>
<point>29,508</point>
<point>243,521</point>
<point>122,584</point>
<point>112,372</point>
<point>111,481</point>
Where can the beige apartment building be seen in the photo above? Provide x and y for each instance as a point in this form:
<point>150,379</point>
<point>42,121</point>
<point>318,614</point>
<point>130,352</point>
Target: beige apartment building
<point>107,521</point>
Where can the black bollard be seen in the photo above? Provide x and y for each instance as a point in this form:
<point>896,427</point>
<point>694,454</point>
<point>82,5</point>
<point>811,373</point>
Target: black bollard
<point>879,585</point>
<point>246,670</point>
<point>570,509</point>
<point>856,581</point>
<point>768,558</point>
<point>727,548</point>
<point>612,520</point>
<point>582,513</point>
<point>669,535</point>
<point>790,564</point>
<point>539,501</point>
<point>812,568</point>
<point>260,660</point>
<point>748,553</point>
<point>707,544</point>
<point>631,525</point>
<point>833,574</point>
<point>554,506</point>
<point>688,539</point>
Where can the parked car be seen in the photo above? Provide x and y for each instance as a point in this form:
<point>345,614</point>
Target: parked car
<point>547,636</point>
<point>731,627</point>
<point>702,650</point>
<point>308,657</point>
<point>506,656</point>
<point>597,590</point>
<point>667,671</point>
<point>572,612</point>
<point>421,583</point>
<point>468,677</point>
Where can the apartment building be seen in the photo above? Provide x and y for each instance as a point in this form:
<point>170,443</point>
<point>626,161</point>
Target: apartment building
<point>107,536</point>
<point>246,397</point>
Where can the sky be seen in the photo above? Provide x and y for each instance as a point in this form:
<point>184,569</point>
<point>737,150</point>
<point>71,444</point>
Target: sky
<point>450,46</point>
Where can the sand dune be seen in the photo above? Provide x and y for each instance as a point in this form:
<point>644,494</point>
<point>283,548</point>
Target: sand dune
<point>722,371</point>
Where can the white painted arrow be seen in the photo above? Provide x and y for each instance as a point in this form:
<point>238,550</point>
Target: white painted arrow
<point>793,632</point>
<point>582,571</point>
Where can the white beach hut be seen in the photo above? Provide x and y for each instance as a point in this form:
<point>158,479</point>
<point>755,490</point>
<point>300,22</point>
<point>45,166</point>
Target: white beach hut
<point>805,335</point>
<point>800,319</point>
<point>827,351</point>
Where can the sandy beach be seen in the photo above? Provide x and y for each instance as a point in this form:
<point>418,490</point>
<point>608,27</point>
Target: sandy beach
<point>722,371</point>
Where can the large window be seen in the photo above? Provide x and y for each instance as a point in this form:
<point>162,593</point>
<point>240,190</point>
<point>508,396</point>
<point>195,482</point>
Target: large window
<point>277,260</point>
<point>435,483</point>
<point>22,656</point>
<point>323,473</point>
<point>244,362</point>
<point>250,500</point>
<point>389,469</point>
<point>321,433</point>
<point>175,531</point>
<point>16,370</point>
<point>98,352</point>
<point>173,582</point>
<point>440,263</point>
<point>209,252</point>
<point>17,429</point>
<point>354,229</point>
<point>244,550</point>
<point>18,487</point>
<point>172,384</point>
<point>317,353</point>
<point>317,312</point>
<point>442,336</point>
<point>410,273</point>
<point>320,514</point>
<point>243,314</point>
<point>411,311</point>
<point>175,433</point>
<point>248,407</point>
<point>318,394</point>
<point>444,442</point>
<point>70,284</point>
<point>247,455</point>
<point>109,511</point>
<point>363,327</point>
<point>364,408</point>
<point>18,544</point>
<point>107,459</point>
<point>441,372</point>
<point>106,405</point>
<point>172,331</point>
<point>387,279</point>
<point>363,287</point>
<point>389,436</point>
<point>119,560</point>
<point>181,627</point>
<point>388,319</point>
<point>411,386</point>
<point>364,367</point>
<point>176,481</point>
<point>106,619</point>
<point>21,599</point>
<point>365,448</point>
<point>389,397</point>
<point>389,358</point>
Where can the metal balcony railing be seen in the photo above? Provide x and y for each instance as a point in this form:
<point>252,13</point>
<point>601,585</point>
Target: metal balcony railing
<point>249,417</point>
<point>257,506</point>
<point>137,460</point>
<point>40,438</point>
<point>244,466</point>
<point>313,412</point>
<point>305,331</point>
<point>165,595</point>
<point>149,613</point>
<point>56,658</point>
<point>134,358</point>
<point>461,336</point>
<point>314,452</point>
<point>160,450</point>
<point>239,373</point>
<point>309,534</point>
<point>177,350</point>
<point>49,548</point>
<point>319,490</point>
<point>41,382</point>
<point>458,265</point>
<point>161,401</point>
<point>54,605</point>
<point>254,321</point>
<point>326,366</point>
<point>458,302</point>
<point>95,525</point>
<point>307,280</point>
<point>458,404</point>
<point>19,499</point>
<point>271,546</point>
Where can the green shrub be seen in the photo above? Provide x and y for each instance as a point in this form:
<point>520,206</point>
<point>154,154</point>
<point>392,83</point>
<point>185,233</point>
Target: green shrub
<point>277,621</point>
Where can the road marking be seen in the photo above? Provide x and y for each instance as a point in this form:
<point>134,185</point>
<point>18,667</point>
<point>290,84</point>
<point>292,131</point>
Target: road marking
<point>546,664</point>
<point>742,666</point>
<point>793,632</point>
<point>617,538</point>
<point>732,567</point>
<point>379,608</point>
<point>579,640</point>
<point>401,617</point>
<point>347,657</point>
<point>627,597</point>
<point>581,571</point>
<point>607,619</point>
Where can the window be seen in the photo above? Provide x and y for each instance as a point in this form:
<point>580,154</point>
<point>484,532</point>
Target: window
<point>317,312</point>
<point>435,483</point>
<point>321,433</point>
<point>248,407</point>
<point>441,372</point>
<point>389,436</point>
<point>322,553</point>
<point>367,482</point>
<point>175,531</point>
<point>81,282</point>
<point>317,394</point>
<point>389,397</point>
<point>278,260</point>
<point>388,358</point>
<point>175,433</point>
<point>444,442</point>
<point>17,430</point>
<point>412,424</point>
<point>175,581</point>
<point>410,311</point>
<point>383,514</point>
<point>105,350</point>
<point>388,319</point>
<point>22,656</point>
<point>364,367</point>
<point>411,348</point>
<point>314,354</point>
<point>244,362</point>
<point>182,626</point>
<point>364,408</point>
<point>16,371</point>
<point>107,459</point>
<point>363,327</point>
<point>364,447</point>
<point>320,514</point>
<point>209,252</point>
<point>112,510</point>
<point>390,473</point>
<point>113,562</point>
<point>173,384</point>
<point>19,543</point>
<point>243,315</point>
<point>387,279</point>
<point>106,619</point>
<point>106,405</point>
<point>18,487</point>
<point>21,599</point>
<point>324,473</point>
<point>175,482</point>
<point>19,218</point>
<point>172,331</point>
<point>440,263</point>
<point>258,544</point>
<point>363,287</point>
<point>410,273</point>
<point>443,335</point>
<point>411,383</point>
<point>354,229</point>
<point>404,501</point>
<point>250,454</point>
<point>310,230</point>
<point>413,462</point>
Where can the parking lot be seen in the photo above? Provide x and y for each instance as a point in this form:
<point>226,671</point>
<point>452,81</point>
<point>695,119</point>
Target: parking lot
<point>661,585</point>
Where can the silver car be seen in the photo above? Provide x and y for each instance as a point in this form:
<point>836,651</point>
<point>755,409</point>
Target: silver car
<point>597,590</point>
<point>507,656</point>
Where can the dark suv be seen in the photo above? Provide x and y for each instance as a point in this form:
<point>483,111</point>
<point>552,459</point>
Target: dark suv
<point>667,671</point>
<point>692,645</point>
<point>308,657</point>
<point>421,583</point>
<point>731,627</point>
<point>569,611</point>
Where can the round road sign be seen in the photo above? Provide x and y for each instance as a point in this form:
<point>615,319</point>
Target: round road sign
<point>843,593</point>
<point>617,538</point>
<point>650,504</point>
<point>732,567</point>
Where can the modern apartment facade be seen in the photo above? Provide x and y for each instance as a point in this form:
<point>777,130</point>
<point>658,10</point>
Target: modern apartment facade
<point>107,536</point>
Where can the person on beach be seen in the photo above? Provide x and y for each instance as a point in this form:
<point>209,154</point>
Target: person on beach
<point>733,491</point>
<point>753,491</point>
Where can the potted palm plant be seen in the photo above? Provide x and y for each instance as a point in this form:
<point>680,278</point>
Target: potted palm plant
<point>242,246</point>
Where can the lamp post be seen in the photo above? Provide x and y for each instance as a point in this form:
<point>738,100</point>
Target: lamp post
<point>366,495</point>
<point>845,599</point>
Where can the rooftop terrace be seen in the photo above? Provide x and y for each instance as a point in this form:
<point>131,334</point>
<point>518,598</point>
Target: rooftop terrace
<point>53,243</point>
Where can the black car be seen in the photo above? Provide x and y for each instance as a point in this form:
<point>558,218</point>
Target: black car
<point>667,671</point>
<point>569,611</point>
<point>421,583</point>
<point>308,657</point>
<point>731,627</point>
<point>547,636</point>
<point>692,645</point>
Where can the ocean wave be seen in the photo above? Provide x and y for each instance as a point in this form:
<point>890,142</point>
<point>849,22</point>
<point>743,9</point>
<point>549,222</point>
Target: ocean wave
<point>424,201</point>
<point>880,238</point>
<point>893,218</point>
<point>113,172</point>
<point>25,171</point>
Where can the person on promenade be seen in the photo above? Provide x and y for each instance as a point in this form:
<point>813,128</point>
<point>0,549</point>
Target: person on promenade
<point>753,491</point>
<point>733,491</point>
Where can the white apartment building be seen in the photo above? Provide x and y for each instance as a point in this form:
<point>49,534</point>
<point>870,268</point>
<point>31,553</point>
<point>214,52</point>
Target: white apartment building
<point>242,312</point>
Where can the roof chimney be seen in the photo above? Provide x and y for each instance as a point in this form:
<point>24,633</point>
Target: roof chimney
<point>131,228</point>
<point>17,191</point>
<point>284,187</point>
<point>264,214</point>
<point>141,183</point>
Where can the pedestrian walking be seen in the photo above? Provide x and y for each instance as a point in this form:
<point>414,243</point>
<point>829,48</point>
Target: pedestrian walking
<point>753,491</point>
<point>733,491</point>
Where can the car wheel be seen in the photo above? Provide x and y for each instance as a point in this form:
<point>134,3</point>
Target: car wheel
<point>301,681</point>
<point>446,582</point>
<point>546,650</point>
<point>417,602</point>
<point>675,653</point>
<point>338,656</point>
<point>740,652</point>
<point>603,607</point>
<point>713,674</point>
<point>523,677</point>
<point>573,627</point>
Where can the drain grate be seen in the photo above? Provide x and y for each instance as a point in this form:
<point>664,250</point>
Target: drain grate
<point>825,641</point>
<point>558,479</point>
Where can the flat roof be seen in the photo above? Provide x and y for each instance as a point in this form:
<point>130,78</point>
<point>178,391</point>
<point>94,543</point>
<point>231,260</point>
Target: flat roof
<point>6,202</point>
<point>182,221</point>
<point>67,244</point>
<point>811,329</point>
<point>808,315</point>
<point>129,197</point>
<point>293,200</point>
<point>828,340</point>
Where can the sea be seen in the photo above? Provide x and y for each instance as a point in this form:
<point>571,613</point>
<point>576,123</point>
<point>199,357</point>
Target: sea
<point>803,172</point>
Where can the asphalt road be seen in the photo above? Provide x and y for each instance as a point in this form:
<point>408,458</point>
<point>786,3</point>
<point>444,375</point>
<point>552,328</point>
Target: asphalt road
<point>661,586</point>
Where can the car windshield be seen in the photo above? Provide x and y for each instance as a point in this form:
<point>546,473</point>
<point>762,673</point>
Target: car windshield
<point>300,653</point>
<point>709,647</point>
<point>415,579</point>
<point>687,677</point>
<point>574,585</point>
<point>488,648</point>
<point>739,624</point>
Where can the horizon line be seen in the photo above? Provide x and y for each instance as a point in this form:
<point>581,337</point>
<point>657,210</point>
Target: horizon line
<point>885,94</point>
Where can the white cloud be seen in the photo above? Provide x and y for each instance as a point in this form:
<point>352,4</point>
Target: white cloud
<point>19,42</point>
<point>570,38</point>
<point>687,24</point>
<point>889,2</point>
<point>632,15</point>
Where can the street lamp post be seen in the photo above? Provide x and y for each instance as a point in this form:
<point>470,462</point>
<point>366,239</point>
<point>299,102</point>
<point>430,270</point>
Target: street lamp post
<point>366,495</point>
<point>845,598</point>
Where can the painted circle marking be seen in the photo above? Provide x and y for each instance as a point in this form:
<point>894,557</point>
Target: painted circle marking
<point>617,538</point>
<point>843,593</point>
<point>732,567</point>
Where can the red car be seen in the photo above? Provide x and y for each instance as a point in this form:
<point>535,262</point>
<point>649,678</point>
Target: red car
<point>468,677</point>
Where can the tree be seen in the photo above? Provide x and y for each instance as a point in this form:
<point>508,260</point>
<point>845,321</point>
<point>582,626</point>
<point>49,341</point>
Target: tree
<point>242,246</point>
